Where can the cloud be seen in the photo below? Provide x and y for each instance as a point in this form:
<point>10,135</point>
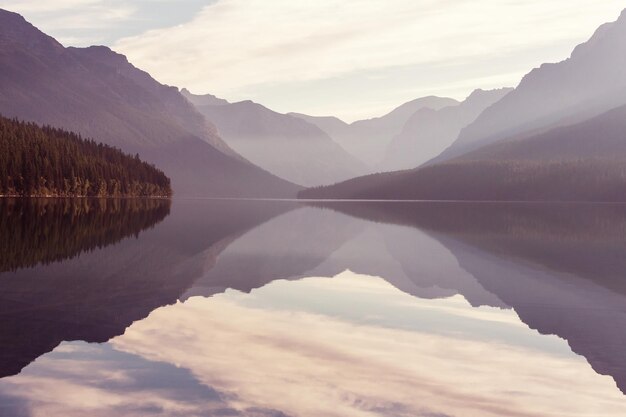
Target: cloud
<point>88,22</point>
<point>36,6</point>
<point>230,356</point>
<point>78,379</point>
<point>234,46</point>
<point>334,367</point>
<point>350,58</point>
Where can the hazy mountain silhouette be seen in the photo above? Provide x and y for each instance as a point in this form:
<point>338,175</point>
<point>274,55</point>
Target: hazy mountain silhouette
<point>590,82</point>
<point>368,139</point>
<point>98,93</point>
<point>204,99</point>
<point>428,132</point>
<point>582,162</point>
<point>330,124</point>
<point>286,146</point>
<point>558,137</point>
<point>602,137</point>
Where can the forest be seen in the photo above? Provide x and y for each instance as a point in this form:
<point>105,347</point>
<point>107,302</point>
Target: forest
<point>51,162</point>
<point>584,179</point>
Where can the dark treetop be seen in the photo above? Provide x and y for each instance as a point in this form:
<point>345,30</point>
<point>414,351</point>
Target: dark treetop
<point>46,161</point>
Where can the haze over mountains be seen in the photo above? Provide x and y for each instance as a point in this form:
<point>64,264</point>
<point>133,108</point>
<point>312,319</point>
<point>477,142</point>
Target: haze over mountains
<point>429,132</point>
<point>560,135</point>
<point>588,83</point>
<point>286,146</point>
<point>369,139</point>
<point>98,93</point>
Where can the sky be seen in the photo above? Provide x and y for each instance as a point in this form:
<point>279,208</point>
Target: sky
<point>349,58</point>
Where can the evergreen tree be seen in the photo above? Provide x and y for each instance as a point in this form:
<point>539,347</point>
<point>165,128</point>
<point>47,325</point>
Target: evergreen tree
<point>46,161</point>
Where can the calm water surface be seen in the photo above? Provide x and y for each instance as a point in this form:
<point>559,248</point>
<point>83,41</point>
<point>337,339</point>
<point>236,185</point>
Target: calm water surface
<point>259,308</point>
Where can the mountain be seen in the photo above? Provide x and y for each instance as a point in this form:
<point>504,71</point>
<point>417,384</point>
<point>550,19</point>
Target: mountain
<point>572,148</point>
<point>602,137</point>
<point>286,146</point>
<point>590,82</point>
<point>368,139</point>
<point>583,162</point>
<point>330,124</point>
<point>99,94</point>
<point>203,100</point>
<point>44,161</point>
<point>428,132</point>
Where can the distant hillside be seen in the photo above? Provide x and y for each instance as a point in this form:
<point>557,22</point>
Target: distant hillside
<point>602,137</point>
<point>330,124</point>
<point>590,82</point>
<point>428,132</point>
<point>559,136</point>
<point>368,139</point>
<point>99,94</point>
<point>45,161</point>
<point>286,146</point>
<point>204,99</point>
<point>584,162</point>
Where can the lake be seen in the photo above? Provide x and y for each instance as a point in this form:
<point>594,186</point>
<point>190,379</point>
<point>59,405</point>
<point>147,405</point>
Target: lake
<point>278,308</point>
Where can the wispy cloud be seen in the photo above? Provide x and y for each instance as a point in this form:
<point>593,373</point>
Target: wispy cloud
<point>249,355</point>
<point>351,58</point>
<point>235,46</point>
<point>88,22</point>
<point>336,367</point>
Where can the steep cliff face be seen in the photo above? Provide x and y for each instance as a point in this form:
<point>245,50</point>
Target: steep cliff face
<point>428,132</point>
<point>99,94</point>
<point>286,146</point>
<point>590,82</point>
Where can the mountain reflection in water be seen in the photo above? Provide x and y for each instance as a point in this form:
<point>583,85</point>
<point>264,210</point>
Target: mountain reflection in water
<point>405,344</point>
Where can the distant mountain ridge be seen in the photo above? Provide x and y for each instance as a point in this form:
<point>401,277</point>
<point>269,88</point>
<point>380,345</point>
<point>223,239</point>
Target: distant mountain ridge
<point>583,162</point>
<point>428,132</point>
<point>368,139</point>
<point>97,93</point>
<point>329,124</point>
<point>286,146</point>
<point>590,82</point>
<point>577,154</point>
<point>204,99</point>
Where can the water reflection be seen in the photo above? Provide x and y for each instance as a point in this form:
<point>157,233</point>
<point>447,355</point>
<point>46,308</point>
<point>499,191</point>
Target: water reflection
<point>42,231</point>
<point>96,295</point>
<point>560,267</point>
<point>353,345</point>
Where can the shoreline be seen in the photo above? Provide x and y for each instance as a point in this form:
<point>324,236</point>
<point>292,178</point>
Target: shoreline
<point>87,196</point>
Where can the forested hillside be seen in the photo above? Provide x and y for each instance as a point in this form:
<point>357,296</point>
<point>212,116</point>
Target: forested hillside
<point>46,161</point>
<point>594,180</point>
<point>99,94</point>
<point>583,162</point>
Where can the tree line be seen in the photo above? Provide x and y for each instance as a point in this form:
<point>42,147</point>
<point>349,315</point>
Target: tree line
<point>47,161</point>
<point>584,179</point>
